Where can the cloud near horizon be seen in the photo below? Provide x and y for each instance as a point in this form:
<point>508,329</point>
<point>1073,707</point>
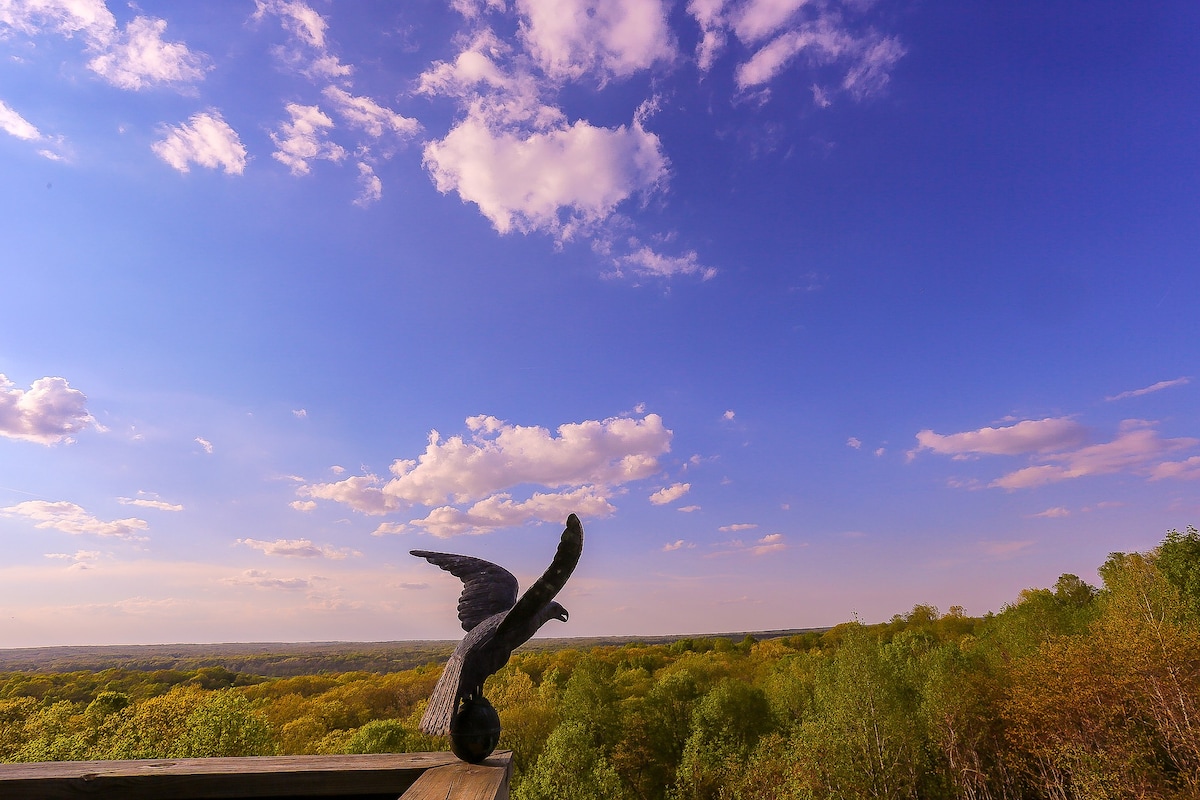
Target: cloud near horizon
<point>70,518</point>
<point>1057,446</point>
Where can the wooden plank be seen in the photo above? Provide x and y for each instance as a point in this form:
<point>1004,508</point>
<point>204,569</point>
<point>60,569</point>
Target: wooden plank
<point>461,781</point>
<point>211,778</point>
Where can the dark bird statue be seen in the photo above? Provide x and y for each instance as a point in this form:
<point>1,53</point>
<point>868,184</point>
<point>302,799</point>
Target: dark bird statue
<point>495,621</point>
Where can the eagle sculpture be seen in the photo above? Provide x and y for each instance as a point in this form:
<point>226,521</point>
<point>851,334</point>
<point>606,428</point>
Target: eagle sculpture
<point>495,621</point>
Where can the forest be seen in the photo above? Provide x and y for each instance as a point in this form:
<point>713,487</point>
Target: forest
<point>1072,691</point>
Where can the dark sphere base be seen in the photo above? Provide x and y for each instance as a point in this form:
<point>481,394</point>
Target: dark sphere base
<point>474,730</point>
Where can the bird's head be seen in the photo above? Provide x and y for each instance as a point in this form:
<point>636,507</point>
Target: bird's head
<point>557,612</point>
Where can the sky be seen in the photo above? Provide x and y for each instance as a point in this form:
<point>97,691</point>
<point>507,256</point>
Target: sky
<point>812,310</point>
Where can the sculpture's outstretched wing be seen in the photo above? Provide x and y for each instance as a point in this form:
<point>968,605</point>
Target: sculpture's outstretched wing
<point>487,588</point>
<point>543,590</point>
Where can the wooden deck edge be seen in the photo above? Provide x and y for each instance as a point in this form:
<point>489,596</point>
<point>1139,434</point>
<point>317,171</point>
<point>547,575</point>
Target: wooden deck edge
<point>257,777</point>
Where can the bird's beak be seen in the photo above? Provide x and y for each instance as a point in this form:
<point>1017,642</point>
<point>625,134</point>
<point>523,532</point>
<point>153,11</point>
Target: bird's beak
<point>563,616</point>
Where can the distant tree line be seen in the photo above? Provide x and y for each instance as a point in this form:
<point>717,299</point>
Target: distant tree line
<point>1069,692</point>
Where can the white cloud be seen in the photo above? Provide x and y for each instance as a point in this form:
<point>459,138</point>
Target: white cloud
<point>142,502</point>
<point>205,139</point>
<point>205,443</point>
<point>70,518</point>
<point>1005,549</point>
<point>138,57</point>
<point>554,180</point>
<point>49,412</point>
<point>613,38</point>
<point>298,548</point>
<point>872,70</point>
<point>133,58</point>
<point>14,124</point>
<point>823,44</point>
<point>854,442</point>
<point>737,526</point>
<point>501,511</point>
<point>369,116</point>
<point>589,460</point>
<point>712,30</point>
<point>728,415</point>
<point>1027,436</point>
<point>303,139</point>
<point>678,544</point>
<point>1157,387</point>
<point>303,505</point>
<point>670,494</point>
<point>300,413</point>
<point>688,509</point>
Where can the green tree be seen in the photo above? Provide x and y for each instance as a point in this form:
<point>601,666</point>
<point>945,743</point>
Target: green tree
<point>571,768</point>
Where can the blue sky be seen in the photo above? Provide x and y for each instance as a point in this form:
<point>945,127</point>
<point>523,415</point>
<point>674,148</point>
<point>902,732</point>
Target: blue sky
<point>808,309</point>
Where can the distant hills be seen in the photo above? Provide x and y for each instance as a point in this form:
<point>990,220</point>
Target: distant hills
<point>285,659</point>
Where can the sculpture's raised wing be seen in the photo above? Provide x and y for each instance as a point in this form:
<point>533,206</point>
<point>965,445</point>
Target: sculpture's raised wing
<point>544,588</point>
<point>487,588</point>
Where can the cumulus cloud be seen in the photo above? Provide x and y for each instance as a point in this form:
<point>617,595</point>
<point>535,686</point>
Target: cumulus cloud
<point>1156,387</point>
<point>304,139</point>
<point>501,511</point>
<point>613,38</point>
<point>678,544</point>
<point>49,412</point>
<point>854,442</point>
<point>298,548</point>
<point>303,505</point>
<point>207,140</point>
<point>554,180</point>
<point>669,494</point>
<point>586,462</point>
<point>1027,436</point>
<point>71,518</point>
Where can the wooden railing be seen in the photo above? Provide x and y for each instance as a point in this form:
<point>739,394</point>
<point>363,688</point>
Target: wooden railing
<point>412,776</point>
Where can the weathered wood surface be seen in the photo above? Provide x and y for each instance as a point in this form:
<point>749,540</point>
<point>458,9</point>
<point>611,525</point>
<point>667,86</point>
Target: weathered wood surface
<point>486,781</point>
<point>262,776</point>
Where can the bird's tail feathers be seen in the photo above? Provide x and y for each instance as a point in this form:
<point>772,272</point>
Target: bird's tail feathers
<point>436,719</point>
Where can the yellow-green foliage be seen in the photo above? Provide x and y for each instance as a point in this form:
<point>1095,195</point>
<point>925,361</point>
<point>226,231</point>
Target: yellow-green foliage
<point>1070,692</point>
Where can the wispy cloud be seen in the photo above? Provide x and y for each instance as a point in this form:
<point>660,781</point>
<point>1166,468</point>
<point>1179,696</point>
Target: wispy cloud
<point>303,139</point>
<point>70,518</point>
<point>737,526</point>
<point>205,444</point>
<point>1027,436</point>
<point>265,580</point>
<point>678,544</point>
<point>298,548</point>
<point>1156,387</point>
<point>147,502</point>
